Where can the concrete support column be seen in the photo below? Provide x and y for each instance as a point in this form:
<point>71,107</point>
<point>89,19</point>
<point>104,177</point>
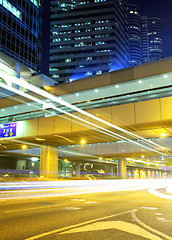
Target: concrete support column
<point>132,172</point>
<point>109,170</point>
<point>77,168</point>
<point>49,162</point>
<point>122,168</point>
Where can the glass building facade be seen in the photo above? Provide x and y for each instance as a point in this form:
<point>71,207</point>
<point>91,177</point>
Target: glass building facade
<point>134,35</point>
<point>20,28</point>
<point>145,37</point>
<point>155,39</point>
<point>87,38</point>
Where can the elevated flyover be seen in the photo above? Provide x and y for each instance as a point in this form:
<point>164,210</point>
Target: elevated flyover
<point>129,108</point>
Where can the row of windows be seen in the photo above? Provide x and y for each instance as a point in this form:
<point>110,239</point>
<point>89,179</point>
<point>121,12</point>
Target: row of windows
<point>19,37</point>
<point>81,24</point>
<point>7,5</point>
<point>80,38</point>
<point>74,60</point>
<point>19,54</point>
<point>23,48</point>
<point>30,25</point>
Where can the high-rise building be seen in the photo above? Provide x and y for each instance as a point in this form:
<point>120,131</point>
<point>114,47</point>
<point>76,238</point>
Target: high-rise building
<point>155,39</point>
<point>134,35</point>
<point>87,38</point>
<point>20,31</point>
<point>145,37</point>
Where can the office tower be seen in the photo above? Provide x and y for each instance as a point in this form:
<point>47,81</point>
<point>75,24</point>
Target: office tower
<point>20,31</point>
<point>144,37</point>
<point>134,35</point>
<point>87,38</point>
<point>155,39</point>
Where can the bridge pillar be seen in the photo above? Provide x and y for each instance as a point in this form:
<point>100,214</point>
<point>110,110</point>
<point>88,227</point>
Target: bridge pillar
<point>109,170</point>
<point>121,168</point>
<point>49,162</point>
<point>77,168</point>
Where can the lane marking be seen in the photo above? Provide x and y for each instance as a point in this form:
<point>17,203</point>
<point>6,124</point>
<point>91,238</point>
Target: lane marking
<point>158,194</point>
<point>36,208</point>
<point>148,227</point>
<point>120,225</point>
<point>158,214</point>
<point>75,225</point>
<point>90,202</point>
<point>78,200</point>
<point>149,208</point>
<point>162,219</point>
<point>71,208</point>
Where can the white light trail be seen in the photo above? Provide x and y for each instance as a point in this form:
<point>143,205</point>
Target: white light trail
<point>48,95</point>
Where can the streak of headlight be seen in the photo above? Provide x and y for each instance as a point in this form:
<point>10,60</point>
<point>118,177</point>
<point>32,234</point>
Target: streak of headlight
<point>80,119</point>
<point>48,111</point>
<point>42,102</point>
<point>41,92</point>
<point>57,109</point>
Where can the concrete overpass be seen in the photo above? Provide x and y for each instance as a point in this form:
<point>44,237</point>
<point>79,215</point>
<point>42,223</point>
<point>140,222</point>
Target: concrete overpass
<point>135,104</point>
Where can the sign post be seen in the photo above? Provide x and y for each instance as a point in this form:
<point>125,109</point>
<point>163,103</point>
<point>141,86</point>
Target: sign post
<point>8,130</point>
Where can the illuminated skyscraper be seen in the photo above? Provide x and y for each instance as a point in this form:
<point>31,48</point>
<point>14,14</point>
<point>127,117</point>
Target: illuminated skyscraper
<point>20,31</point>
<point>87,38</point>
<point>144,37</point>
<point>134,35</point>
<point>155,39</point>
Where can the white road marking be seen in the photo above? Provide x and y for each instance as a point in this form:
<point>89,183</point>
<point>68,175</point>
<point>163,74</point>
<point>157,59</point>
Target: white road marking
<point>120,225</point>
<point>90,202</point>
<point>71,208</point>
<point>30,209</point>
<point>158,214</point>
<point>148,227</point>
<point>76,225</point>
<point>163,219</point>
<point>158,194</point>
<point>149,208</point>
<point>78,200</point>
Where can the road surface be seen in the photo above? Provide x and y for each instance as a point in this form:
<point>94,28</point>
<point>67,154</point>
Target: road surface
<point>117,215</point>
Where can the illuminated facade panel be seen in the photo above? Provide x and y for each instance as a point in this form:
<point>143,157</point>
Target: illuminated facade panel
<point>20,31</point>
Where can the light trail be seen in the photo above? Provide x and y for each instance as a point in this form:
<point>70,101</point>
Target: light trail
<point>41,92</point>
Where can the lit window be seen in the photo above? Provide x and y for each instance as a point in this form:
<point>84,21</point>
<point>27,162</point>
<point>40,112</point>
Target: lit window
<point>89,73</point>
<point>57,40</point>
<point>11,8</point>
<point>68,60</point>
<point>55,76</point>
<point>53,69</point>
<point>35,2</point>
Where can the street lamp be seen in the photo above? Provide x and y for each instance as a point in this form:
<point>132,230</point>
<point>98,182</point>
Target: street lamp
<point>163,134</point>
<point>83,141</point>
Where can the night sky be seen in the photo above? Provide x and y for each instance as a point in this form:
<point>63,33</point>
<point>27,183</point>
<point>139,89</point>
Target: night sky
<point>161,9</point>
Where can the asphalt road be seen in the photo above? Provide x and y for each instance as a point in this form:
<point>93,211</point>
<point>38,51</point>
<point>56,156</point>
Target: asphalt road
<point>117,215</point>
